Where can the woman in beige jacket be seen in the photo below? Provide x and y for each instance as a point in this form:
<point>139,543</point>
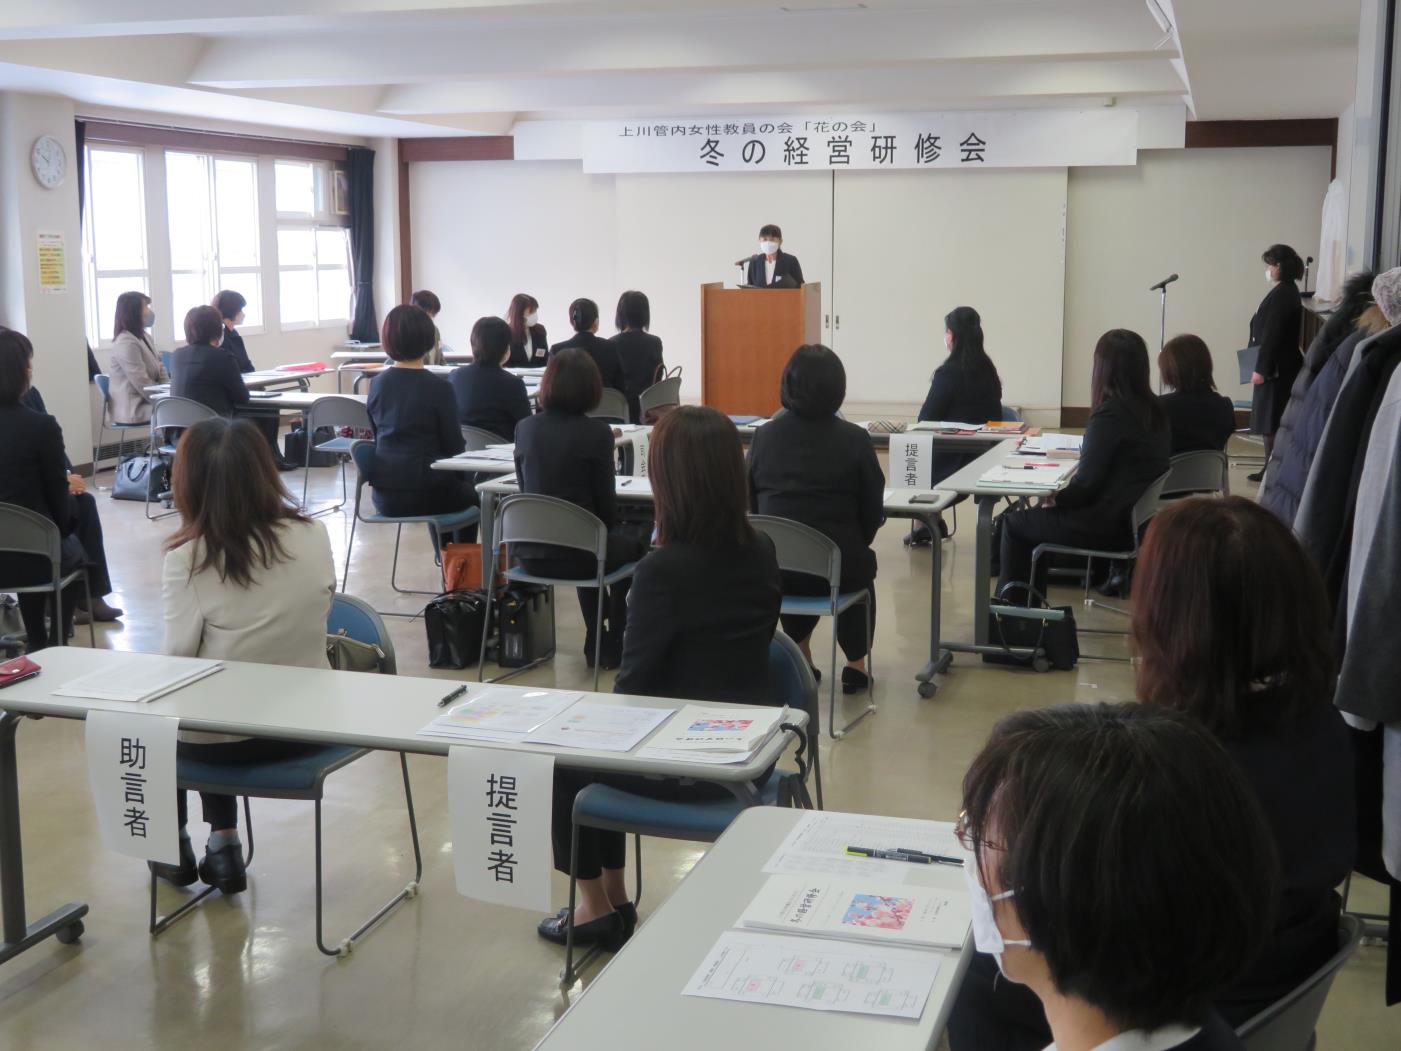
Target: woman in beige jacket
<point>134,364</point>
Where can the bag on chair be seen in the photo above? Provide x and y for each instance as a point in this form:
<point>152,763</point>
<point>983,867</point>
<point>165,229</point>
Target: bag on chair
<point>653,416</point>
<point>793,788</point>
<point>454,623</point>
<point>1023,627</point>
<point>139,475</point>
<point>347,654</point>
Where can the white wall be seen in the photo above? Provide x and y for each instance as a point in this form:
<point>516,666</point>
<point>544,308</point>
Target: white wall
<point>1205,214</point>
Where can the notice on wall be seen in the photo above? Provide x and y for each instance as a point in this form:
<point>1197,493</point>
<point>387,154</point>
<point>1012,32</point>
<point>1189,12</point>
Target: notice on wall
<point>499,806</point>
<point>53,263</point>
<point>131,770</point>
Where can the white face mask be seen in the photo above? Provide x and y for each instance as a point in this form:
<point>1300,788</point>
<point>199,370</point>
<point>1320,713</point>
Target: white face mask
<point>148,319</point>
<point>987,937</point>
<point>1269,276</point>
<point>531,319</point>
<point>768,247</point>
<point>948,340</point>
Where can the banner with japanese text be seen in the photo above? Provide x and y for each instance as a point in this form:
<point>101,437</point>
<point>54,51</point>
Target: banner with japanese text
<point>499,805</point>
<point>131,770</point>
<point>962,141</point>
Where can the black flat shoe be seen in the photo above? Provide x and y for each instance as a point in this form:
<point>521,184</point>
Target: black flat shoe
<point>606,931</point>
<point>627,910</point>
<point>181,875</point>
<point>919,536</point>
<point>854,681</point>
<point>224,869</point>
<point>1258,476</point>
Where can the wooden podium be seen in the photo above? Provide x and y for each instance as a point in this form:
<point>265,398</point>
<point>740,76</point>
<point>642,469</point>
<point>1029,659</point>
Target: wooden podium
<point>747,336</point>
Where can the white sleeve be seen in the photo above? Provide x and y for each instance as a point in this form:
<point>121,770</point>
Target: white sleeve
<point>184,621</point>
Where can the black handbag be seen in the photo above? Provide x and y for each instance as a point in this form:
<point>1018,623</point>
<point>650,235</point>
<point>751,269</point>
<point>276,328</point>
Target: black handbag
<point>141,477</point>
<point>1049,630</point>
<point>793,788</point>
<point>454,623</point>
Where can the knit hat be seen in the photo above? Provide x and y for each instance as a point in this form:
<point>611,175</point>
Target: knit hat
<point>1386,290</point>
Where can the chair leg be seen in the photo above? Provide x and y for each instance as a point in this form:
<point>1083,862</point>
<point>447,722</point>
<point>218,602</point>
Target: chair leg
<point>56,629</point>
<point>836,734</point>
<point>92,621</point>
<point>394,568</point>
<point>158,924</point>
<point>598,634</point>
<point>568,975</point>
<point>345,576</point>
<point>486,620</point>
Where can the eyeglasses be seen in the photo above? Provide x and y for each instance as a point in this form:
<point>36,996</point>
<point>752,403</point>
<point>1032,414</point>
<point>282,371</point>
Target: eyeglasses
<point>966,839</point>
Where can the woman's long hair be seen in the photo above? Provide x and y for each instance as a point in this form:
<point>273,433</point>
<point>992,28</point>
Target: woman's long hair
<point>521,305</point>
<point>1121,371</point>
<point>696,467</point>
<point>131,316</point>
<point>967,353</point>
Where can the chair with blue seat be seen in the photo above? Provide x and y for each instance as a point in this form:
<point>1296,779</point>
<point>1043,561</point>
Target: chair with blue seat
<point>335,413</point>
<point>28,533</point>
<point>529,518</point>
<point>803,550</point>
<point>363,453</point>
<point>302,777</point>
<point>106,423</point>
<point>168,362</point>
<point>167,413</point>
<point>791,684</point>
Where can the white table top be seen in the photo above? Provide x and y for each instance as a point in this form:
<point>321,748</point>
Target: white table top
<point>336,707</point>
<point>966,479</point>
<point>635,1003</point>
<point>256,380</point>
<point>362,355</point>
<point>303,399</point>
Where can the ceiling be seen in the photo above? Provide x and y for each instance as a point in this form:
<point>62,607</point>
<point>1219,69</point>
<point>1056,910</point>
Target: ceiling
<point>452,67</point>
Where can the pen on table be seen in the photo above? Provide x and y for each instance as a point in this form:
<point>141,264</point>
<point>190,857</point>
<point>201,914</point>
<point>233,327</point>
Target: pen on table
<point>452,696</point>
<point>918,857</point>
<point>625,483</point>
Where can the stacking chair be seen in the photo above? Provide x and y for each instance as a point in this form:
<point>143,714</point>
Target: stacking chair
<point>302,777</point>
<point>171,412</point>
<point>613,406</point>
<point>106,422</point>
<point>363,453</point>
<point>168,362</point>
<point>478,439</point>
<point>26,532</point>
<point>1288,1023</point>
<point>802,549</point>
<point>335,413</point>
<point>1246,405</point>
<point>659,395</point>
<point>1201,472</point>
<point>613,809</point>
<point>529,518</point>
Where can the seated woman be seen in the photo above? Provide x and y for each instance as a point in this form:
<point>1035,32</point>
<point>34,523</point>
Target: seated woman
<point>430,304</point>
<point>247,577</point>
<point>204,371</point>
<point>414,417</point>
<point>563,452</point>
<point>1198,417</point>
<point>639,351</point>
<point>1098,900</point>
<point>132,363</point>
<point>583,315</point>
<point>813,467</point>
<point>488,397</point>
<point>1125,450</point>
<point>530,346</point>
<point>704,607</point>
<point>964,389</point>
<point>230,306</point>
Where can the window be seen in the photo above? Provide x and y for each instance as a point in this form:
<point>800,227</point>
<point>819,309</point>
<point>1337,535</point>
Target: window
<point>114,236</point>
<point>313,251</point>
<point>212,207</point>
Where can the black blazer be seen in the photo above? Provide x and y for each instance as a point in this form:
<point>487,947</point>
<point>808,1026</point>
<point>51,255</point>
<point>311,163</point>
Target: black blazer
<point>824,474</point>
<point>414,417</point>
<point>700,621</point>
<point>604,354</point>
<point>784,265</point>
<point>641,357</point>
<point>35,474</point>
<point>489,397</point>
<point>570,457</point>
<point>233,343</point>
<point>1275,330</point>
<point>1119,459</point>
<point>208,375</point>
<point>533,352</point>
<point>1199,420</point>
<point>34,400</point>
<point>957,396</point>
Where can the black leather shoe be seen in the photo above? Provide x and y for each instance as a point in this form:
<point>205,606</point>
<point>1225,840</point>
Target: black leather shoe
<point>224,869</point>
<point>816,675</point>
<point>919,536</point>
<point>1258,476</point>
<point>606,931</point>
<point>628,911</point>
<point>181,875</point>
<point>854,681</point>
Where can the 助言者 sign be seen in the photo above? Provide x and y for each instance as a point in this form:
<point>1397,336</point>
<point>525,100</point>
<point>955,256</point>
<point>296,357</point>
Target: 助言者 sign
<point>961,141</point>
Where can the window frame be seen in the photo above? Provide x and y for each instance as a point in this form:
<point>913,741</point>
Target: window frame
<point>321,218</point>
<point>98,336</point>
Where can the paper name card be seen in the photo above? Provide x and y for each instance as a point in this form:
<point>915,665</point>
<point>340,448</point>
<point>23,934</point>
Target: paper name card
<point>912,460</point>
<point>131,771</point>
<point>499,805</point>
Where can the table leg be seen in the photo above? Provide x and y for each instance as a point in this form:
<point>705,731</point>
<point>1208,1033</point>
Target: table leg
<point>66,922</point>
<point>939,661</point>
<point>981,566</point>
<point>486,527</point>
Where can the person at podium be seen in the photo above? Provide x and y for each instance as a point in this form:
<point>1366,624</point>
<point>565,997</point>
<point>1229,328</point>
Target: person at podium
<point>772,267</point>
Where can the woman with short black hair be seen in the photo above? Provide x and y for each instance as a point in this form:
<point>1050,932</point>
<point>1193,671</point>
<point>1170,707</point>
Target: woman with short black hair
<point>530,346</point>
<point>230,306</point>
<point>430,304</point>
<point>772,266</point>
<point>583,317</point>
<point>488,397</point>
<point>1274,332</point>
<point>202,370</point>
<point>639,351</point>
<point>813,467</point>
<point>1198,417</point>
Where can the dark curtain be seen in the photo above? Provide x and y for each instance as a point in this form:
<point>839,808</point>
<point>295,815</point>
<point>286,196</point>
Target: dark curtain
<point>360,182</point>
<point>80,138</point>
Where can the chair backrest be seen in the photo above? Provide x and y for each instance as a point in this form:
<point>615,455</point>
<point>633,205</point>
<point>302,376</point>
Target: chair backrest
<point>1288,1023</point>
<point>1149,504</point>
<point>358,619</point>
<point>104,387</point>
<point>801,549</point>
<point>168,359</point>
<point>1203,471</point>
<point>179,412</point>
<point>478,439</point>
<point>534,519</point>
<point>791,682</point>
<point>1010,415</point>
<point>337,412</point>
<point>26,532</point>
<point>663,392</point>
<point>612,406</point>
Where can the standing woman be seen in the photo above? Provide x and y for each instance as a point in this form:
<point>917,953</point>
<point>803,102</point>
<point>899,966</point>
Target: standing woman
<point>1275,331</point>
<point>133,364</point>
<point>230,306</point>
<point>529,344</point>
<point>639,350</point>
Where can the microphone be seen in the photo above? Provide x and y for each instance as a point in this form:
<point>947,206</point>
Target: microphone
<point>746,260</point>
<point>1163,284</point>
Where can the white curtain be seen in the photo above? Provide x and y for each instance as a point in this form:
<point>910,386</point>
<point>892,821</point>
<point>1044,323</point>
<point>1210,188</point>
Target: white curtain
<point>1332,252</point>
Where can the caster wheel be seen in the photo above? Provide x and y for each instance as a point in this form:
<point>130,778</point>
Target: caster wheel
<point>69,935</point>
<point>928,689</point>
<point>1040,664</point>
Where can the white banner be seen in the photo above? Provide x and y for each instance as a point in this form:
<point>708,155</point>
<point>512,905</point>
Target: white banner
<point>965,141</point>
<point>499,803</point>
<point>131,768</point>
<point>911,461</point>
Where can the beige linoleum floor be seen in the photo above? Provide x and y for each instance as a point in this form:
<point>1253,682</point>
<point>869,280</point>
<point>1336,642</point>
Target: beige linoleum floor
<point>445,971</point>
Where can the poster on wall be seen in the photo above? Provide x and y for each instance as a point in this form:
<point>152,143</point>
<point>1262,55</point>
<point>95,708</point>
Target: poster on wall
<point>865,142</point>
<point>53,263</point>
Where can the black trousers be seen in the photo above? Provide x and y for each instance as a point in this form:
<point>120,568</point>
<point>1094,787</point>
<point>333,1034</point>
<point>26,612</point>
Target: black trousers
<point>268,421</point>
<point>1024,530</point>
<point>624,546</point>
<point>87,527</point>
<point>851,625</point>
<point>222,811</point>
<point>35,608</point>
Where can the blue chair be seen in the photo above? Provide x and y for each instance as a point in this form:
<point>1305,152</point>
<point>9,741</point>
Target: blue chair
<point>106,422</point>
<point>171,412</point>
<point>26,532</point>
<point>302,777</point>
<point>363,453</point>
<point>791,683</point>
<point>168,361</point>
<point>802,549</point>
<point>335,413</point>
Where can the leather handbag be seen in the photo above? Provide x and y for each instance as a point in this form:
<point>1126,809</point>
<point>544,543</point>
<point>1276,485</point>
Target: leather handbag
<point>347,654</point>
<point>454,622</point>
<point>141,478</point>
<point>1047,630</point>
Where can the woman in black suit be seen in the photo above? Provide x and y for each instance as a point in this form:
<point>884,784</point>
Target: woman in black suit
<point>583,317</point>
<point>203,370</point>
<point>230,305</point>
<point>488,397</point>
<point>639,351</point>
<point>813,467</point>
<point>1199,418</point>
<point>704,607</point>
<point>564,453</point>
<point>1275,331</point>
<point>529,344</point>
<point>772,265</point>
<point>1124,450</point>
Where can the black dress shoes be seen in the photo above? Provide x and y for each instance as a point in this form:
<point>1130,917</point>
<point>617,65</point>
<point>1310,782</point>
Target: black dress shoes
<point>223,868</point>
<point>181,875</point>
<point>606,931</point>
<point>854,681</point>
